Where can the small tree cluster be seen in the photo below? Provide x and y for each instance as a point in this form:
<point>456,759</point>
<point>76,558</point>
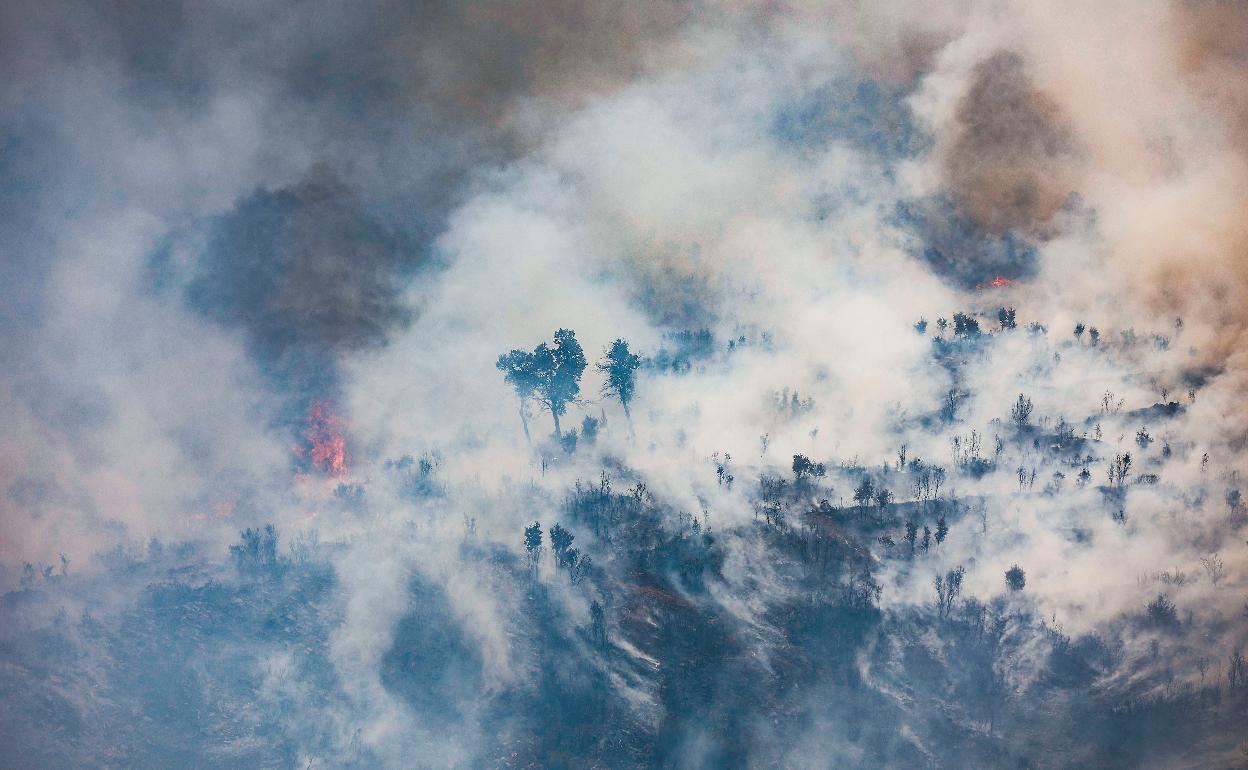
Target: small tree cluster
<point>1015,578</point>
<point>1119,468</point>
<point>1214,567</point>
<point>949,407</point>
<point>948,589</point>
<point>1161,612</point>
<point>1237,670</point>
<point>1110,404</point>
<point>966,450</point>
<point>549,373</point>
<point>926,481</point>
<point>804,469</point>
<point>865,492</point>
<point>256,555</point>
<point>723,471</point>
<point>965,326</point>
<point>567,557</point>
<point>533,544</point>
<point>560,543</point>
<point>1020,412</point>
<point>790,404</point>
<point>30,572</point>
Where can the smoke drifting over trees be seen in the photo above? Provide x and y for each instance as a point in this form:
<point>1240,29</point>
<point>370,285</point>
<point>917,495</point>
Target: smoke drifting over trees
<point>795,459</point>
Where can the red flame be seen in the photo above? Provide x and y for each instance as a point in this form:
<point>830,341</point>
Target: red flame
<point>997,283</point>
<point>326,446</point>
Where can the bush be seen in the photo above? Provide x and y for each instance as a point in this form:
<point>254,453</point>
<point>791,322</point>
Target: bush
<point>256,555</point>
<point>1015,578</point>
<point>1161,612</point>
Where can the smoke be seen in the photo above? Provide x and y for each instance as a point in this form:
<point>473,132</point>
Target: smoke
<point>1009,151</point>
<point>260,261</point>
<point>306,273</point>
<point>1165,175</point>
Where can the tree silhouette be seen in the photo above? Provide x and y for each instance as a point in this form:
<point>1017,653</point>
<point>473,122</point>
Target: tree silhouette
<point>598,624</point>
<point>965,326</point>
<point>1020,413</point>
<point>560,543</point>
<point>533,543</point>
<point>551,374</point>
<point>1161,612</point>
<point>948,588</point>
<point>620,365</point>
<point>256,555</point>
<point>1015,578</point>
<point>1119,468</point>
<point>804,468</point>
<point>520,371</point>
<point>560,367</point>
<point>865,492</point>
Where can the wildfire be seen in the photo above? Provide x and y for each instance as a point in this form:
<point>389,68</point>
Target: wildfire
<point>997,283</point>
<point>325,443</point>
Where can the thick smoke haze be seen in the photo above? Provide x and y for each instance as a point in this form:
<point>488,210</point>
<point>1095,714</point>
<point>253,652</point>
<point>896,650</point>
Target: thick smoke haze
<point>930,454</point>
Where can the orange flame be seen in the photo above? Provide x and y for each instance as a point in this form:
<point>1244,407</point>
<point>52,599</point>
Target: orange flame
<point>997,283</point>
<point>326,444</point>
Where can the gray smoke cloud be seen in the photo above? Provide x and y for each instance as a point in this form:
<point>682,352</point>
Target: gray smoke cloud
<point>305,272</point>
<point>1005,163</point>
<point>260,261</point>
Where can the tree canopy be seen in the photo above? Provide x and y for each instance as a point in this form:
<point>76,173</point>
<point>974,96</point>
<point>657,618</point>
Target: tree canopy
<point>620,365</point>
<point>550,373</point>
